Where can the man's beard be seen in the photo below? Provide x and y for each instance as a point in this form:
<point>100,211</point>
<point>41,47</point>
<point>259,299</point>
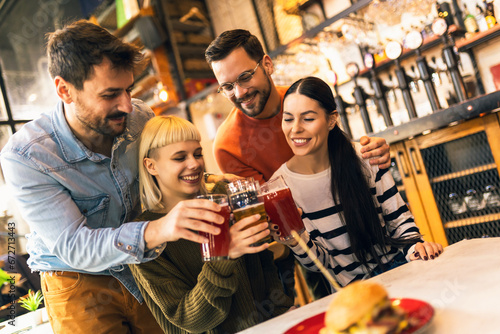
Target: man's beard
<point>259,108</point>
<point>100,125</point>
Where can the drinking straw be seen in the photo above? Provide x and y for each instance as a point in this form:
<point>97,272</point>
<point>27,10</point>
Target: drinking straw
<point>314,258</point>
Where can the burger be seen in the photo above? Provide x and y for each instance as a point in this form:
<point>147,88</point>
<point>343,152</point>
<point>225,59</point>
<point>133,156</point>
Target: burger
<point>364,307</point>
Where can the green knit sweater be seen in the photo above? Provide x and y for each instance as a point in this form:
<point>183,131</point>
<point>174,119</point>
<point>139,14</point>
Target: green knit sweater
<point>187,295</point>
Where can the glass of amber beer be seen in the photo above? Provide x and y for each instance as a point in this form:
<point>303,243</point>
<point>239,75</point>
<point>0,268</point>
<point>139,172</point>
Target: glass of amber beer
<point>246,200</point>
<point>217,247</point>
<point>281,208</point>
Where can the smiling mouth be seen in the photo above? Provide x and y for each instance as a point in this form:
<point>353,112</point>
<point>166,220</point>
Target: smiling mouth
<point>300,141</point>
<point>191,178</point>
<point>248,99</point>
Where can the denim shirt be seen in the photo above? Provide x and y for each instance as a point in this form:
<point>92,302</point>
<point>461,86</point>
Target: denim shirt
<point>79,204</point>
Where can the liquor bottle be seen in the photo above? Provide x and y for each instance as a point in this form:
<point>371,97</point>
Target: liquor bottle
<point>473,200</point>
<point>444,12</point>
<point>489,6</point>
<point>458,14</point>
<point>489,14</point>
<point>480,19</point>
<point>456,204</point>
<point>491,197</point>
<point>469,21</point>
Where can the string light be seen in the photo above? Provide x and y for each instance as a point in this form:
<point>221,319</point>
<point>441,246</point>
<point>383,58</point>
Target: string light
<point>163,95</point>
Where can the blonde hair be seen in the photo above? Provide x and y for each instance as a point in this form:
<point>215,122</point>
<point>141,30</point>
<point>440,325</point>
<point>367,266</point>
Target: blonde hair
<point>158,132</point>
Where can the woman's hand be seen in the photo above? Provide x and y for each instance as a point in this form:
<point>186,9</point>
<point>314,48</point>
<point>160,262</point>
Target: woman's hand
<point>183,222</point>
<point>243,234</point>
<point>275,233</point>
<point>426,250</point>
<point>376,148</point>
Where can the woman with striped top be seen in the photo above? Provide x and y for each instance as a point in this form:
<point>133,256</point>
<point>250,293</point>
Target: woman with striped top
<point>356,221</point>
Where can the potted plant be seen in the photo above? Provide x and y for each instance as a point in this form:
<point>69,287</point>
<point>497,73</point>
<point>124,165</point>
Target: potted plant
<point>32,302</point>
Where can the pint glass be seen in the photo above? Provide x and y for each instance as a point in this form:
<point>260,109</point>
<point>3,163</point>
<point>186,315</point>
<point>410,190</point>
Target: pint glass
<point>245,201</point>
<point>281,208</point>
<point>217,247</point>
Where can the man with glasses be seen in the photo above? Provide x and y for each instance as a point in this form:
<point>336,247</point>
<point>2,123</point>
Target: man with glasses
<point>250,142</point>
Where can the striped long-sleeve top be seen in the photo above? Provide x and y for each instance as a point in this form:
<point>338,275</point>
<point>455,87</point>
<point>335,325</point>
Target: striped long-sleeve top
<point>325,233</point>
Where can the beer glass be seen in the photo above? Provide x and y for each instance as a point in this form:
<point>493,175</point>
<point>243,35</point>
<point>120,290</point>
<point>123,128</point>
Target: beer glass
<point>281,208</point>
<point>217,247</point>
<point>245,200</point>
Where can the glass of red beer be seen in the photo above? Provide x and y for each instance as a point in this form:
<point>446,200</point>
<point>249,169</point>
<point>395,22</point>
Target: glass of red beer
<point>217,247</point>
<point>281,208</point>
<point>246,200</point>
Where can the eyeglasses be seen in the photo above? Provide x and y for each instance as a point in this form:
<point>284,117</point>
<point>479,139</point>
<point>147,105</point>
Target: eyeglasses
<point>243,80</point>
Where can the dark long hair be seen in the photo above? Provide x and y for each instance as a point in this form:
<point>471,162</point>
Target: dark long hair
<point>359,211</point>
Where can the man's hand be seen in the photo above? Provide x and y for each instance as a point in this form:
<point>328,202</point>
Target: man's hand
<point>212,178</point>
<point>183,222</point>
<point>376,148</point>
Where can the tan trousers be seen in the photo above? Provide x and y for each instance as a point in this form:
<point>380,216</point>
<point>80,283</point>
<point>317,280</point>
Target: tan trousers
<point>97,304</point>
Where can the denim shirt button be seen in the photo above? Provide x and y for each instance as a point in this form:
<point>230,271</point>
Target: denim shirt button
<point>157,250</point>
<point>120,244</point>
<point>129,247</point>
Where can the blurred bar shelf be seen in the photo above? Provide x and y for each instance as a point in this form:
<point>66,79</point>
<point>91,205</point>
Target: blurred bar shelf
<point>478,38</point>
<point>472,108</point>
<point>428,43</point>
<point>473,221</point>
<point>462,173</point>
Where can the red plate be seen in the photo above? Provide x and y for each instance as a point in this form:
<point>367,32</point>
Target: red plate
<point>420,314</point>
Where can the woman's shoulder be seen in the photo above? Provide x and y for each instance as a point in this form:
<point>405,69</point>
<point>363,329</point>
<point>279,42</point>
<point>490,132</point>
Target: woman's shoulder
<point>370,170</point>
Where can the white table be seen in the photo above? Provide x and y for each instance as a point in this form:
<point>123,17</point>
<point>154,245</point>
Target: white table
<point>22,325</point>
<point>462,284</point>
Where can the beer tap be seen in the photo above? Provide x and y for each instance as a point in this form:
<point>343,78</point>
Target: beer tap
<point>414,82</point>
<point>450,57</point>
<point>393,51</point>
<point>436,72</point>
<point>341,105</point>
<point>414,41</point>
<point>360,96</point>
<point>379,90</point>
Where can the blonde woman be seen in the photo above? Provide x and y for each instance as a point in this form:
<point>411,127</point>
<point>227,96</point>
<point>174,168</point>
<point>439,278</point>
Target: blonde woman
<point>185,294</point>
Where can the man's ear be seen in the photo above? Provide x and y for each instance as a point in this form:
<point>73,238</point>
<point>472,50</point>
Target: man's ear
<point>150,166</point>
<point>63,89</point>
<point>268,64</point>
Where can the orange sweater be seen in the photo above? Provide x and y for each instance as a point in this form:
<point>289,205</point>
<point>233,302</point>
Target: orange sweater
<point>252,147</point>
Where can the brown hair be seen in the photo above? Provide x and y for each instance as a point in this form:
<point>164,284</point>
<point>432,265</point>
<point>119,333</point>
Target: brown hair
<point>230,40</point>
<point>74,50</point>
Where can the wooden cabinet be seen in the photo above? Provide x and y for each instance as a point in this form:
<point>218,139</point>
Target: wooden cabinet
<point>174,36</point>
<point>448,178</point>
